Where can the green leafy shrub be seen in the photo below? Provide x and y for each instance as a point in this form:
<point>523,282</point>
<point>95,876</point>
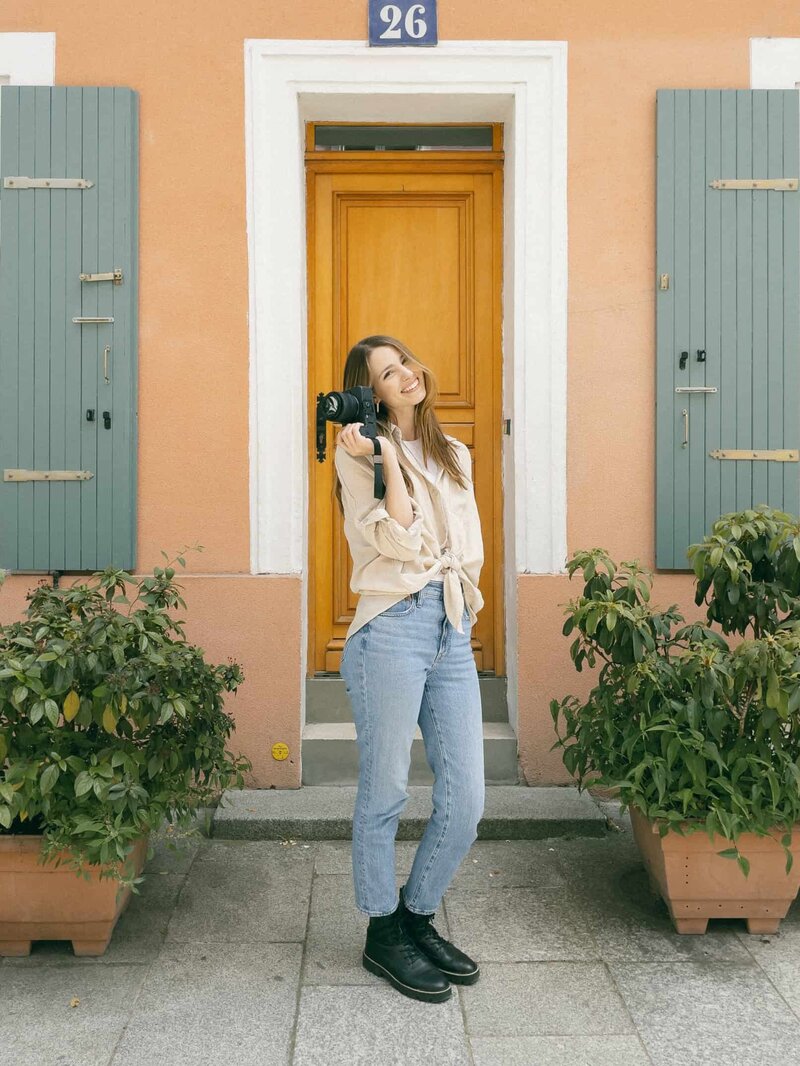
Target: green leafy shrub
<point>110,721</point>
<point>691,732</point>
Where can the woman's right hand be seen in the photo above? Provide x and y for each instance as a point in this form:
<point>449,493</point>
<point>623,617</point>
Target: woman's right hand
<point>355,443</point>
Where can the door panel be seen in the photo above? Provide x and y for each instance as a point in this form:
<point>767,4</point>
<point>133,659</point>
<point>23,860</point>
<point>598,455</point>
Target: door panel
<point>412,249</point>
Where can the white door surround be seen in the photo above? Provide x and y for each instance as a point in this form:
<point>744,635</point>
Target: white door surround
<point>520,83</point>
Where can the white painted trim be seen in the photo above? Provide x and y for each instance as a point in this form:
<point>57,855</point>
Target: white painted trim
<point>28,58</point>
<point>775,62</point>
<point>522,83</point>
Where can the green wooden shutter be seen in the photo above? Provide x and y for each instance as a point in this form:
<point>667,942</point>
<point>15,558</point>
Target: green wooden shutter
<point>51,368</point>
<point>731,256</point>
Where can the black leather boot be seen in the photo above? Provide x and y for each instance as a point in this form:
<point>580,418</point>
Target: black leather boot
<point>389,952</point>
<point>454,964</point>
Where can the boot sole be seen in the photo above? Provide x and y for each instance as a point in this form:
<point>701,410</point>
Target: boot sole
<point>407,990</point>
<point>460,978</point>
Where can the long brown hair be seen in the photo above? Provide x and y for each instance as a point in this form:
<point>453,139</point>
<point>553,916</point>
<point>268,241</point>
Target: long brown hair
<point>428,429</point>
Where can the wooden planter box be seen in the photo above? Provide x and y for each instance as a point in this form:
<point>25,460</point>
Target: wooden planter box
<point>697,884</point>
<point>45,902</point>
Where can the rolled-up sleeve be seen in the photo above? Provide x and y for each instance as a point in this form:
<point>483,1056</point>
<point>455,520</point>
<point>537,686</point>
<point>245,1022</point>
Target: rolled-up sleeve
<point>383,532</point>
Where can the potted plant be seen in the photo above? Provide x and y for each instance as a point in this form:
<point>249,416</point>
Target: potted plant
<point>110,723</point>
<point>698,738</point>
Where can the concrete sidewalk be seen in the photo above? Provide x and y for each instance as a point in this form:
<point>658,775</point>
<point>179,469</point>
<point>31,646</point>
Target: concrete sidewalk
<point>248,951</point>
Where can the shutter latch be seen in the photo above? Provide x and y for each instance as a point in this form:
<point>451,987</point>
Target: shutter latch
<point>114,275</point>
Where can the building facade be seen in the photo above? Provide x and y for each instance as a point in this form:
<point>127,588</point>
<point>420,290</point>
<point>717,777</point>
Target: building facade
<point>554,207</point>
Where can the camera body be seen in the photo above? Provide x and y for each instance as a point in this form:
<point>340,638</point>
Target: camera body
<point>351,405</point>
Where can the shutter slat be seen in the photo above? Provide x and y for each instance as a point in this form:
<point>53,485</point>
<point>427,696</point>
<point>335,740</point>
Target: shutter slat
<point>744,295</point>
<point>26,165</point>
<point>727,361</point>
<point>713,306</point>
<point>42,198</point>
<point>760,404</point>
<point>682,302</point>
<point>90,334</point>
<point>698,403</point>
<point>9,324</point>
<point>791,298</point>
<point>74,343</point>
<point>58,329</point>
<point>666,425</point>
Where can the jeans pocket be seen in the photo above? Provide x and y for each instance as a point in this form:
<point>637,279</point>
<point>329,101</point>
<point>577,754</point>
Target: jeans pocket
<point>402,607</point>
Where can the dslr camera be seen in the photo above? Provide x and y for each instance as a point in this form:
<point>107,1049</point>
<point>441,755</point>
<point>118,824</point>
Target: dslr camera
<point>351,405</point>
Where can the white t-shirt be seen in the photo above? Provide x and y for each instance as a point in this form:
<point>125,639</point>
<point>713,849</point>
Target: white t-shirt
<point>431,468</point>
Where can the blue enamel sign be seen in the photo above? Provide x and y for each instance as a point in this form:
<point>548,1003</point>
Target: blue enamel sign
<point>402,23</point>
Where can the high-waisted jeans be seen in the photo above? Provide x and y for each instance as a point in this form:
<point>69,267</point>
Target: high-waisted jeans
<point>409,666</point>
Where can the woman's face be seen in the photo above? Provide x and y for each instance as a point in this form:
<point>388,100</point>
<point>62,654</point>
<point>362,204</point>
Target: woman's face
<point>392,374</point>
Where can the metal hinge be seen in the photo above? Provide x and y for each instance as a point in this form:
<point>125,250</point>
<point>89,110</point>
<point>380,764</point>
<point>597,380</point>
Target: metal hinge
<point>114,275</point>
<point>47,475</point>
<point>778,455</point>
<point>507,426</point>
<point>92,318</point>
<point>19,181</point>
<point>781,184</point>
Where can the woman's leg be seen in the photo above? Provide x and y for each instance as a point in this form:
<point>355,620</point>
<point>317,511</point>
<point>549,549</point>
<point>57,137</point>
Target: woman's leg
<point>451,722</point>
<point>384,668</point>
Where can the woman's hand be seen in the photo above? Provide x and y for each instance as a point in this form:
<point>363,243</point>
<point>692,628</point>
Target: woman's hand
<point>355,443</point>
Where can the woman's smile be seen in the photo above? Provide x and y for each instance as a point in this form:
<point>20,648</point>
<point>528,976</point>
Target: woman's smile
<point>413,387</point>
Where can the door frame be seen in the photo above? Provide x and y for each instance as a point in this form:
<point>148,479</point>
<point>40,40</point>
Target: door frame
<point>520,83</point>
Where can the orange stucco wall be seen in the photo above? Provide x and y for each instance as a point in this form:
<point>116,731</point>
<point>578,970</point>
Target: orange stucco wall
<point>186,60</point>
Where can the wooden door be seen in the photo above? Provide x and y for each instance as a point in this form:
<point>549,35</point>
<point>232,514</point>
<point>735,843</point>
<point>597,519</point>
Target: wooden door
<point>411,247</point>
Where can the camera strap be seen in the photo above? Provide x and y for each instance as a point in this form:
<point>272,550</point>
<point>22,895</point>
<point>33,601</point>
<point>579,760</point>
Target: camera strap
<point>380,489</point>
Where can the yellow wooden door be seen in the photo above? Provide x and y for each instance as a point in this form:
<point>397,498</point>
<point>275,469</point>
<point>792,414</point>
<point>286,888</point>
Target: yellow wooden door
<point>411,248</point>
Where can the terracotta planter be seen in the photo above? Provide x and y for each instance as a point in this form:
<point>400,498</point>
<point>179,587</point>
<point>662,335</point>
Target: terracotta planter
<point>697,884</point>
<point>45,902</point>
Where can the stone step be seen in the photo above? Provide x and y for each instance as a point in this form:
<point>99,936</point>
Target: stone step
<point>319,812</point>
<point>330,755</point>
<point>327,699</point>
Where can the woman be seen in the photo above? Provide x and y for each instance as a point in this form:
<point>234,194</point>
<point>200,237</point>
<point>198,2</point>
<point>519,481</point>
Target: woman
<point>407,661</point>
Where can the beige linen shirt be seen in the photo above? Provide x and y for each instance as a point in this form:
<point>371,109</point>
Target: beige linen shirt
<point>389,561</point>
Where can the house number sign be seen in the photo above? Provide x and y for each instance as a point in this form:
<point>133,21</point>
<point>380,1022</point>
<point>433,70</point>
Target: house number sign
<point>402,23</point>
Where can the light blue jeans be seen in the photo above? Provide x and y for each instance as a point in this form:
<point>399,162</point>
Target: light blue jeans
<point>409,666</point>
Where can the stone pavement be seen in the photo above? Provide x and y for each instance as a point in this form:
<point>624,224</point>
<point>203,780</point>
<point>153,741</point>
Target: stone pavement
<point>249,952</point>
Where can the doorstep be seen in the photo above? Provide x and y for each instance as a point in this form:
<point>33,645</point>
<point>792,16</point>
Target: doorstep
<point>325,812</point>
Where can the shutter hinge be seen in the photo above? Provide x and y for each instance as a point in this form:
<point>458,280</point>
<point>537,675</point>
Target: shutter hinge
<point>780,184</point>
<point>47,475</point>
<point>19,181</point>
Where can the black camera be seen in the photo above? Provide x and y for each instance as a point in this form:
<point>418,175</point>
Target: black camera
<point>351,405</point>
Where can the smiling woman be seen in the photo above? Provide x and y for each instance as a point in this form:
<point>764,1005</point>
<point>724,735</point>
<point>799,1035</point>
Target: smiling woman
<point>408,661</point>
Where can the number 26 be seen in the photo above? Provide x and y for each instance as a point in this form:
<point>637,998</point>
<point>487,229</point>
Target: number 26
<point>415,25</point>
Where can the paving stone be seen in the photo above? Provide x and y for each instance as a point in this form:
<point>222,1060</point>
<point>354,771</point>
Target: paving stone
<point>610,890</point>
<point>558,1051</point>
<point>519,925</point>
<point>64,1015</point>
<point>726,1014</point>
<point>243,891</point>
<point>492,864</point>
<point>379,1026</point>
<point>547,998</point>
<point>336,934</point>
<point>336,856</point>
<point>779,957</point>
<point>214,1003</point>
